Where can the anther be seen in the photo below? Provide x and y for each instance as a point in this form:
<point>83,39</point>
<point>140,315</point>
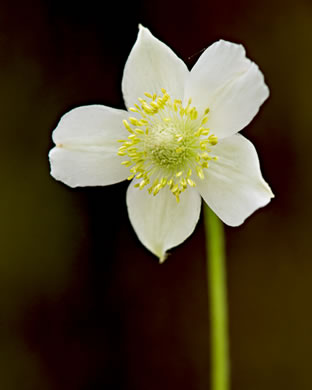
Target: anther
<point>213,140</point>
<point>200,172</point>
<point>191,182</point>
<point>164,142</point>
<point>204,120</point>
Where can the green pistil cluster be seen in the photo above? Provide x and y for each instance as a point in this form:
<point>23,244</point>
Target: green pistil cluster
<point>167,143</point>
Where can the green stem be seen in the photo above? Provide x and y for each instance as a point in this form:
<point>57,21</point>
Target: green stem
<point>216,279</point>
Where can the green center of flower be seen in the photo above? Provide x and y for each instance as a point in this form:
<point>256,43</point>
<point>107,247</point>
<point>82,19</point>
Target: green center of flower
<point>168,143</point>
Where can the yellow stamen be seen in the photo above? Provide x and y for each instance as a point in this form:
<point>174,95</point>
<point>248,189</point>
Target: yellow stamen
<point>167,142</point>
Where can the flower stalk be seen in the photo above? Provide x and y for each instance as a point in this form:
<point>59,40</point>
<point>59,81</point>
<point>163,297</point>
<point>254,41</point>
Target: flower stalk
<point>216,280</point>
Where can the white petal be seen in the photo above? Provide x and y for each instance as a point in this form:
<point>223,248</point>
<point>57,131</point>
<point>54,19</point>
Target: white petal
<point>159,221</point>
<point>227,82</point>
<point>91,124</point>
<point>86,147</point>
<point>87,167</point>
<point>233,186</point>
<point>152,65</point>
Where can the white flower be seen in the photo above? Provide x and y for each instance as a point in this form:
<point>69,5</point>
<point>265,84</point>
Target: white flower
<point>178,141</point>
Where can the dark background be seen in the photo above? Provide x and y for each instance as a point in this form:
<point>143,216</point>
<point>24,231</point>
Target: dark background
<point>83,305</point>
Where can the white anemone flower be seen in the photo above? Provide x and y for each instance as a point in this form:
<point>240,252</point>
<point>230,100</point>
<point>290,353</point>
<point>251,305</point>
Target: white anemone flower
<point>178,141</point>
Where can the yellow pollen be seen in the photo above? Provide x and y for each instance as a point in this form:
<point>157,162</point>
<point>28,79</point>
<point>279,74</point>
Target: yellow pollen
<point>168,145</point>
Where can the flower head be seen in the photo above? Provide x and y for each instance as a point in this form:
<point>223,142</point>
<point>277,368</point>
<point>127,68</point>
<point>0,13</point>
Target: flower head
<point>177,142</point>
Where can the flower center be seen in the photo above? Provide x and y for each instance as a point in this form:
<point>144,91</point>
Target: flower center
<point>167,145</point>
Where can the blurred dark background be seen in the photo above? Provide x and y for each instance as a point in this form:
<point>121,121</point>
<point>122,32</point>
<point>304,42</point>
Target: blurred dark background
<point>83,305</point>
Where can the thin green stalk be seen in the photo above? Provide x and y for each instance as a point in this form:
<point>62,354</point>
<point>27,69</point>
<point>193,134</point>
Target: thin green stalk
<point>216,279</point>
